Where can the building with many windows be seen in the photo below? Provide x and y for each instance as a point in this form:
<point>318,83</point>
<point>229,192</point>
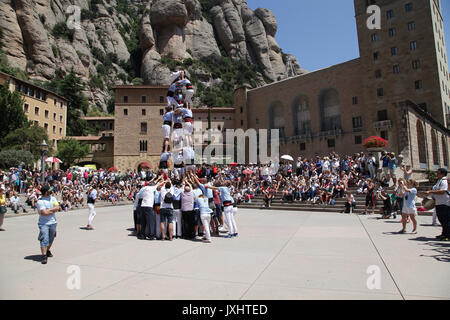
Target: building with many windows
<point>398,89</point>
<point>43,107</point>
<point>138,136</point>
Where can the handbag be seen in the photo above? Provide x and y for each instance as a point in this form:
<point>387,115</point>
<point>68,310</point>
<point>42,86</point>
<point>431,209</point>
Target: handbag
<point>2,209</point>
<point>429,203</point>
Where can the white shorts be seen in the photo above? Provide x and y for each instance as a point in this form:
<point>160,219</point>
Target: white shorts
<point>177,134</point>
<point>172,101</point>
<point>188,129</point>
<point>409,211</point>
<point>189,95</point>
<point>166,131</point>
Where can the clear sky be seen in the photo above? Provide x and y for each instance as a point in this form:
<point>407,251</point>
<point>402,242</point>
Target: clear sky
<point>321,33</point>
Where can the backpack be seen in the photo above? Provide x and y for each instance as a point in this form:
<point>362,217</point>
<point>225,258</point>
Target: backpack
<point>168,198</point>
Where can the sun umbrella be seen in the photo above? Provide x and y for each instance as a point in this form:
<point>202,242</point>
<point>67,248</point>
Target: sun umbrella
<point>234,164</point>
<point>287,157</point>
<point>247,171</point>
<point>53,160</point>
<point>113,169</point>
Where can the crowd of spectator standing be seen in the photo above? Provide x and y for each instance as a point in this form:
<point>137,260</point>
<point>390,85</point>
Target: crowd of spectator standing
<point>318,180</point>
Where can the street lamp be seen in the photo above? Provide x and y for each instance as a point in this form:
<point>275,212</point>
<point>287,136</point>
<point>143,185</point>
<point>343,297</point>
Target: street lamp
<point>44,149</point>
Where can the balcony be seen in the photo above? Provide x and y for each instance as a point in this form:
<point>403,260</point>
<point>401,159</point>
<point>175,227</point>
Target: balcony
<point>386,124</point>
<point>330,133</point>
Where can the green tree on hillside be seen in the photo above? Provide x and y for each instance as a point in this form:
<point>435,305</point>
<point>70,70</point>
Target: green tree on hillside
<point>71,87</point>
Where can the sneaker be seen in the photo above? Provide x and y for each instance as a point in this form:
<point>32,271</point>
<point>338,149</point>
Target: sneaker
<point>44,259</point>
<point>49,254</point>
<point>228,236</point>
<point>207,241</point>
<point>414,232</point>
<point>402,231</point>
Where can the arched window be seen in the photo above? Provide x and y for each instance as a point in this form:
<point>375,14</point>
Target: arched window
<point>301,115</point>
<point>421,144</point>
<point>434,146</point>
<point>276,118</point>
<point>330,110</point>
<point>445,151</point>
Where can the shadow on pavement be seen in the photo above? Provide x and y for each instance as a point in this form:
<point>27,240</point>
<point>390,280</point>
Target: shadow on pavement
<point>35,257</point>
<point>442,249</point>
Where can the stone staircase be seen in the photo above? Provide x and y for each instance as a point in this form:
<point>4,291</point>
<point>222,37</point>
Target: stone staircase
<point>277,204</point>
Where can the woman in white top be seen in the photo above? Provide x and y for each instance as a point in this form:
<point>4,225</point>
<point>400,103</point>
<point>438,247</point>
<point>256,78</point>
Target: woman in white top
<point>409,204</point>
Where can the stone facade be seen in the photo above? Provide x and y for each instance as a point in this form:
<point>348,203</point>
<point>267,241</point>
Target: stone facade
<point>41,106</point>
<point>101,151</point>
<point>138,120</point>
<point>400,78</point>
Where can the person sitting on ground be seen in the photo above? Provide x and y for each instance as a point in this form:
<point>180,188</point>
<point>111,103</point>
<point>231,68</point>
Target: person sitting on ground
<point>15,203</point>
<point>350,203</point>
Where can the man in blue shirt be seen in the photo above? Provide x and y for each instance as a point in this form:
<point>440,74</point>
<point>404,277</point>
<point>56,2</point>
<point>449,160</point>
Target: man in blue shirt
<point>47,207</point>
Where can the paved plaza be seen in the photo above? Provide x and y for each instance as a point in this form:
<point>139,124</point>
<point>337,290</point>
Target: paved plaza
<point>278,255</point>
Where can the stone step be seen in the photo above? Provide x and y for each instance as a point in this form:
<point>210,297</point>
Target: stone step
<point>315,208</point>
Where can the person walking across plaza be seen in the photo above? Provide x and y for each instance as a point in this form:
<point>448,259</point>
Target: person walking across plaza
<point>46,223</point>
<point>441,197</point>
<point>92,196</point>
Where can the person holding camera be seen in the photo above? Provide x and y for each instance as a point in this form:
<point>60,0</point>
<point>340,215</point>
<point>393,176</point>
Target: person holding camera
<point>409,204</point>
<point>441,197</point>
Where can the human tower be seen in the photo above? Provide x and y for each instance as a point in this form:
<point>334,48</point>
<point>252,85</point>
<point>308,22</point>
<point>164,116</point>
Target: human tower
<point>177,128</point>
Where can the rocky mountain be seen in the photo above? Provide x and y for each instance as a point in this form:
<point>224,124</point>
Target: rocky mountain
<point>108,42</point>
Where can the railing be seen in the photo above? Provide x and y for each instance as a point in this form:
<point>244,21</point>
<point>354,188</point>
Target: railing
<point>336,132</point>
<point>383,124</point>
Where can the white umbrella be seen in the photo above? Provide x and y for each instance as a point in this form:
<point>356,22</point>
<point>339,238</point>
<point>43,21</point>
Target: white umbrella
<point>287,157</point>
<point>53,159</point>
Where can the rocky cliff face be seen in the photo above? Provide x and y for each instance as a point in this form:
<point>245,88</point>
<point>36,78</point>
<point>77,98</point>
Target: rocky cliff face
<point>121,40</point>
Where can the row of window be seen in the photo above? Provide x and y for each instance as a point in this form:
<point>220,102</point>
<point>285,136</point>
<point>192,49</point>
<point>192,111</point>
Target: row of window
<point>411,26</point>
<point>161,112</point>
<point>144,128</point>
<point>358,141</point>
<point>26,108</point>
<point>390,13</point>
<point>35,93</point>
<point>418,85</point>
<point>396,69</point>
<point>143,99</point>
<point>46,127</point>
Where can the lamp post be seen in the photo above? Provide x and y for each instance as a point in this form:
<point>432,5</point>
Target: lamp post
<point>44,149</point>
